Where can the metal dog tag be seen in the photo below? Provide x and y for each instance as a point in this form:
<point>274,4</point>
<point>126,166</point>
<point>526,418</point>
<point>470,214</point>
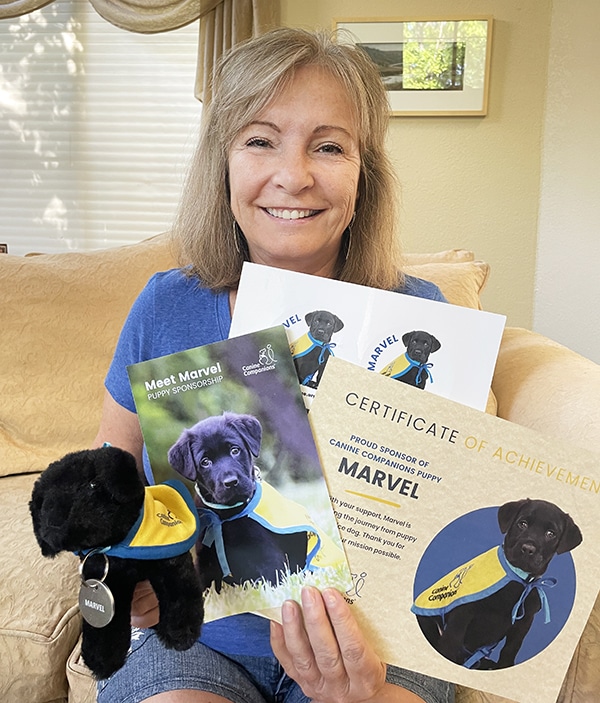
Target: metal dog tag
<point>96,603</point>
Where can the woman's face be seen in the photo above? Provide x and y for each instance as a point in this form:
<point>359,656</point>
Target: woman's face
<point>293,175</point>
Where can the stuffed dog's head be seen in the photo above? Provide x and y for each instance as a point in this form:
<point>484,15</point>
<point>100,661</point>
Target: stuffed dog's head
<point>218,455</point>
<point>87,499</point>
<point>323,324</point>
<point>419,345</point>
<point>536,530</point>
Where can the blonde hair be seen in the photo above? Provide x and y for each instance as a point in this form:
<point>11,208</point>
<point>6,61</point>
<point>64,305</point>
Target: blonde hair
<point>246,80</point>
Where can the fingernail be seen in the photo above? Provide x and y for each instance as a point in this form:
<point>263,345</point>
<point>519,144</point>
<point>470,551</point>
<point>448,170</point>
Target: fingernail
<point>288,611</point>
<point>330,596</point>
<point>308,597</point>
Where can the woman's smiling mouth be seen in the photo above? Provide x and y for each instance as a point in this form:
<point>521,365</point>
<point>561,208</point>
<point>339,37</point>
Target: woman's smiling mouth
<point>284,214</point>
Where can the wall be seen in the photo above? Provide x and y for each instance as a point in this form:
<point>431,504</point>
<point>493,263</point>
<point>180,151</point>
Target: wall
<point>569,241</point>
<point>472,182</point>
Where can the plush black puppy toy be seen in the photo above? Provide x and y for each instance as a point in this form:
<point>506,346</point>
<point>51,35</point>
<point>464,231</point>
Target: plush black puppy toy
<point>93,503</point>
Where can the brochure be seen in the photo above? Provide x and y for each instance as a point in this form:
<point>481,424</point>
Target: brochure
<point>228,419</point>
<point>448,350</point>
<point>474,543</point>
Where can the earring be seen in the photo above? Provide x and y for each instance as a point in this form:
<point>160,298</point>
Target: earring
<point>348,238</point>
<point>236,237</point>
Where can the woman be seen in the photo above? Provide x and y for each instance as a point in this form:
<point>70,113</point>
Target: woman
<point>290,172</point>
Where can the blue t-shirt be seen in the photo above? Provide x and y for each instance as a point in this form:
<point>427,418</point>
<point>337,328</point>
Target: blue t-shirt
<point>174,313</point>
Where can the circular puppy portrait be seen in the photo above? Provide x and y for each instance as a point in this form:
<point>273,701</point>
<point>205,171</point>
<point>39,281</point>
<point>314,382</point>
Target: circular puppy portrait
<point>497,585</point>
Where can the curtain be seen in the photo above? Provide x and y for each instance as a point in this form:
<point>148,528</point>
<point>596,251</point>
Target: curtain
<point>223,23</point>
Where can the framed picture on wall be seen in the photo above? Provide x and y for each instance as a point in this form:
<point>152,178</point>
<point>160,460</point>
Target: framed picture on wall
<point>429,67</point>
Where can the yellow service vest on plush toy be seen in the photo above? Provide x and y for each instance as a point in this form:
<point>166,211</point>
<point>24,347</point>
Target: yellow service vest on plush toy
<point>167,526</point>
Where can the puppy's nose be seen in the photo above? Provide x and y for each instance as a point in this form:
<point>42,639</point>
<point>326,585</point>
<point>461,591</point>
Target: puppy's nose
<point>528,548</point>
<point>230,482</point>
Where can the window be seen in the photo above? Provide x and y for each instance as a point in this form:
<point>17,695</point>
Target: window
<point>97,125</point>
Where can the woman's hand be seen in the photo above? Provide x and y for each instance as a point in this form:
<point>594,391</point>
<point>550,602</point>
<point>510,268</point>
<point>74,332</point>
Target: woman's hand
<point>322,648</point>
<point>144,606</point>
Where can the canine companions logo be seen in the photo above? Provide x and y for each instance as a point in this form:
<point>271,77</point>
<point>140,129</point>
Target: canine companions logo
<point>266,362</point>
<point>168,519</point>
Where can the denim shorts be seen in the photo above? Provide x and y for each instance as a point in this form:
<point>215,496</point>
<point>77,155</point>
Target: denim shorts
<point>151,669</point>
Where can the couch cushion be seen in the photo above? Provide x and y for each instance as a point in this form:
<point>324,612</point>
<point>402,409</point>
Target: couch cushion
<point>39,618</point>
<point>461,282</point>
<point>60,317</point>
<point>449,256</point>
<point>82,687</point>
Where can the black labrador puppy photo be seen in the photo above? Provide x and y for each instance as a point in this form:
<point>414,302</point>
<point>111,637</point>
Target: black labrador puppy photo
<point>412,367</point>
<point>311,351</point>
<point>464,627</point>
<point>218,454</point>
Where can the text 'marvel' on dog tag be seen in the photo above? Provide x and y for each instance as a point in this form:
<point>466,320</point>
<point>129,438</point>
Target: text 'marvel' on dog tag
<point>96,603</point>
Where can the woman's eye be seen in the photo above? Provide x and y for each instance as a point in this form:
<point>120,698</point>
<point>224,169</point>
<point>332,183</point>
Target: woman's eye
<point>258,142</point>
<point>331,148</point>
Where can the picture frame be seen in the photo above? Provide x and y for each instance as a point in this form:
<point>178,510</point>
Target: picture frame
<point>431,67</point>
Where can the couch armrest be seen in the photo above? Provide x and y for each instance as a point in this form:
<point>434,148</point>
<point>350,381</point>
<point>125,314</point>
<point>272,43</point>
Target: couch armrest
<point>545,386</point>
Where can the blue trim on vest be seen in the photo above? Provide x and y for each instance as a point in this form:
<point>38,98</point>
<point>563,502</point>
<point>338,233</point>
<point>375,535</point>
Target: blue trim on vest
<point>124,550</point>
<point>324,346</point>
<point>212,524</point>
<point>512,573</point>
<point>416,365</point>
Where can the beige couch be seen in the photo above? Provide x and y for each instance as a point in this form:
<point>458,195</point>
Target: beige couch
<point>60,316</point>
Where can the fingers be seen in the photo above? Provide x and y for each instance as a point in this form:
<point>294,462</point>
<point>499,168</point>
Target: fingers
<point>144,606</point>
<point>321,633</point>
<point>322,648</point>
<point>306,647</point>
<point>355,650</point>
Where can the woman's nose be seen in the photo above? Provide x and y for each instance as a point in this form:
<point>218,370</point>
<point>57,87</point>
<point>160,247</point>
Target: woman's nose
<point>294,172</point>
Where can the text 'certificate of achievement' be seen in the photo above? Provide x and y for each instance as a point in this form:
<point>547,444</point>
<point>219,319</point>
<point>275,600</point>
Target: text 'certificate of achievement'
<point>228,420</point>
<point>446,349</point>
<point>474,543</point>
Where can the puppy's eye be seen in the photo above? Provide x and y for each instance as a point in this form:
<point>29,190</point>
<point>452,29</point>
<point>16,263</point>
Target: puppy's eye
<point>522,524</point>
<point>550,534</point>
<point>234,451</point>
<point>92,485</point>
<point>205,462</point>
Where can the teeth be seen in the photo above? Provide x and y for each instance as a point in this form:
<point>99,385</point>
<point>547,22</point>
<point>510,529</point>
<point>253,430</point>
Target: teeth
<point>290,214</point>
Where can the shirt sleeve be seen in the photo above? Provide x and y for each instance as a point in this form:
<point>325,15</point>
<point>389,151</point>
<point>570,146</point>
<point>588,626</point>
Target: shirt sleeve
<point>420,288</point>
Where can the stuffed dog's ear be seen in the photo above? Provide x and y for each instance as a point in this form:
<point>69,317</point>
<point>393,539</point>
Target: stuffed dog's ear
<point>117,470</point>
<point>308,318</point>
<point>508,512</point>
<point>35,508</point>
<point>571,537</point>
<point>435,344</point>
<point>249,429</point>
<point>181,458</point>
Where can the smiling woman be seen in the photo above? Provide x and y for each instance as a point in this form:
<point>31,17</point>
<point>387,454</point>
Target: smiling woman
<point>293,175</point>
<point>264,93</point>
<point>290,172</point>
<point>86,159</point>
